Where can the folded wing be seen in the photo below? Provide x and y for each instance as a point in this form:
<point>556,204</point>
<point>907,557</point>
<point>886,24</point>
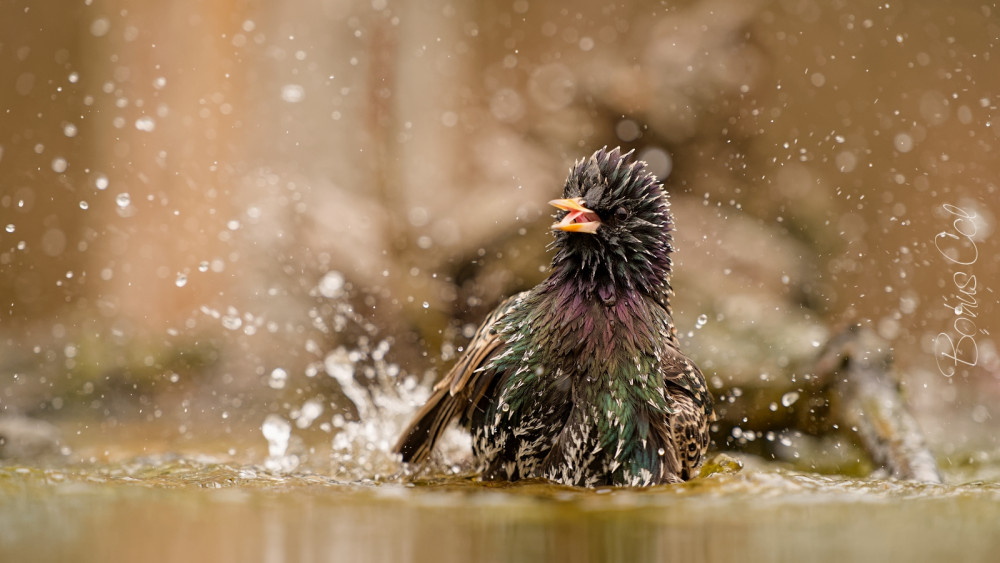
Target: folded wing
<point>460,391</point>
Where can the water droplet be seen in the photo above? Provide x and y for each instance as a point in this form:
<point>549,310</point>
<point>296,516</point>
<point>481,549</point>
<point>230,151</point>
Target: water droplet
<point>159,82</point>
<point>903,142</point>
<point>181,280</point>
<point>332,285</point>
<point>69,130</point>
<point>84,205</point>
<point>505,407</point>
<point>74,77</point>
<point>425,305</point>
<point>309,412</point>
<point>700,322</point>
<point>449,119</point>
<point>278,379</point>
<point>59,165</point>
<point>100,27</point>
<point>232,322</point>
<point>123,200</point>
<point>101,182</point>
<point>276,431</point>
<point>292,93</point>
<point>145,123</point>
<point>846,161</point>
<point>203,266</point>
<point>659,161</point>
<point>788,399</point>
<point>10,227</point>
<point>980,414</point>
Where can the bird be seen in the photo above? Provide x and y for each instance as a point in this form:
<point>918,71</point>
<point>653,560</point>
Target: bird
<point>580,380</point>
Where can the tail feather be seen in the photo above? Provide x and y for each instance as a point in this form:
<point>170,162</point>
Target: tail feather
<point>417,441</point>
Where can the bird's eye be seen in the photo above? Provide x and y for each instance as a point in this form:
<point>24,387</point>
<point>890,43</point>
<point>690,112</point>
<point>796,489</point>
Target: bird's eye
<point>621,213</point>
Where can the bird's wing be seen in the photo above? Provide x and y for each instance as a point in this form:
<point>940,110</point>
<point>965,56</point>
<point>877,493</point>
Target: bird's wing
<point>459,390</point>
<point>679,371</point>
<point>692,412</point>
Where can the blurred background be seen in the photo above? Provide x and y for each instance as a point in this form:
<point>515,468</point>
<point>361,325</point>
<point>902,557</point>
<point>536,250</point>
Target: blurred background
<point>213,212</point>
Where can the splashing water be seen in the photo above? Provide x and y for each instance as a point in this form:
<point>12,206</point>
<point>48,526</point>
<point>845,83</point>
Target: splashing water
<point>383,395</point>
<point>278,431</point>
<point>362,449</point>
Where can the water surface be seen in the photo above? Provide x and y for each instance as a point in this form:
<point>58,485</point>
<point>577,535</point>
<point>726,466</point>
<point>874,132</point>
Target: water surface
<point>182,509</point>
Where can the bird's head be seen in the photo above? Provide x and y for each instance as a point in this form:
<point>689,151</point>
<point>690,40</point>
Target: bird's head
<point>613,230</point>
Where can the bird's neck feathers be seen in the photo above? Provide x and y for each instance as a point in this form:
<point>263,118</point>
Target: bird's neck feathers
<point>601,332</point>
<point>606,275</point>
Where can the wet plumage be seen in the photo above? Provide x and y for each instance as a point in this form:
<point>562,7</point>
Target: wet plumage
<point>580,380</point>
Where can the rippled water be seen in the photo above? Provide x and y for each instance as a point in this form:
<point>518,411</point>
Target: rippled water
<point>182,509</point>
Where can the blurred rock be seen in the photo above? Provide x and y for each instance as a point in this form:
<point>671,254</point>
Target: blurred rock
<point>23,438</point>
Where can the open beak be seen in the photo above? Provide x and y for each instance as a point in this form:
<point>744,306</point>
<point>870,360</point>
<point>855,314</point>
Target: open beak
<point>579,219</point>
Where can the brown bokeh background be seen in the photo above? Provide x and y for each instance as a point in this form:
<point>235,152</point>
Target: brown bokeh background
<point>194,194</point>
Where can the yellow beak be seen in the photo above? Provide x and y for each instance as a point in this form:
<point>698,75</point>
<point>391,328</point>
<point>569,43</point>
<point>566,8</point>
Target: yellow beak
<point>579,219</point>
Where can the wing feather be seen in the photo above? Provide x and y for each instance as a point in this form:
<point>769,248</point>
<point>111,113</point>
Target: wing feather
<point>459,391</point>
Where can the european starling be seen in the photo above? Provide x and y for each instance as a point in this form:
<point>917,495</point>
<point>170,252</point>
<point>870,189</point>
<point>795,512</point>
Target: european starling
<point>580,380</point>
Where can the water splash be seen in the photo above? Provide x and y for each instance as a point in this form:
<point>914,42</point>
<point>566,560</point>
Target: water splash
<point>278,432</point>
<point>382,396</point>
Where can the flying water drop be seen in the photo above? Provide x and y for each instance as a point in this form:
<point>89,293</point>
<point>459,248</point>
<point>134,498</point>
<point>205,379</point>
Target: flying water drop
<point>788,399</point>
<point>278,379</point>
<point>309,412</point>
<point>145,123</point>
<point>701,321</point>
<point>332,285</point>
<point>292,93</point>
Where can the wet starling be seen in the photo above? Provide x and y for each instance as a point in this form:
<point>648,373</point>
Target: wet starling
<point>580,380</point>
